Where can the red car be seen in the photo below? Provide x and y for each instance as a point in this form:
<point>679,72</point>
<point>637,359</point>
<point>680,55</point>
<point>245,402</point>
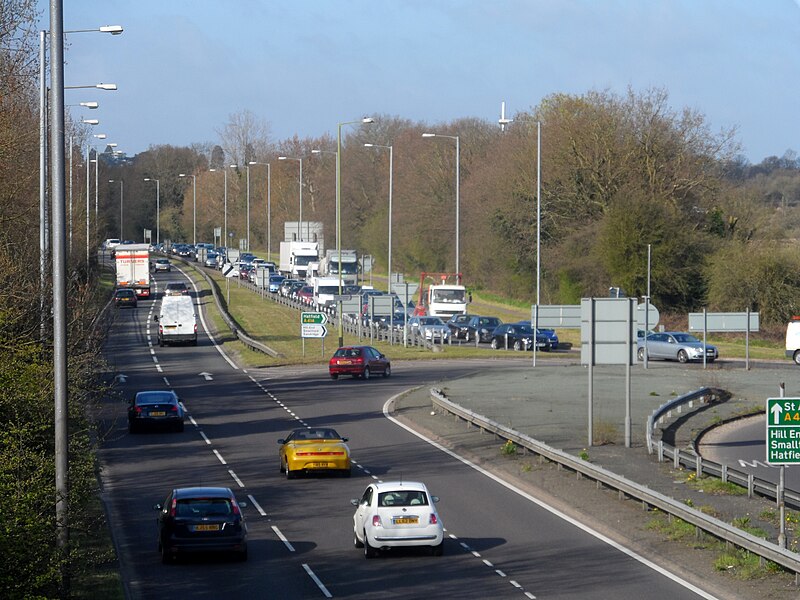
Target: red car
<point>358,361</point>
<point>305,294</point>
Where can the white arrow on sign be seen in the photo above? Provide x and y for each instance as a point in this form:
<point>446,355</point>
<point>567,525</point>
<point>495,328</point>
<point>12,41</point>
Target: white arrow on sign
<point>207,376</point>
<point>776,410</point>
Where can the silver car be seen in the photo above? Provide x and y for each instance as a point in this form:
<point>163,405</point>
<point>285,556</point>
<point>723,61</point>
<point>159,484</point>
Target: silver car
<point>675,345</point>
<point>432,329</point>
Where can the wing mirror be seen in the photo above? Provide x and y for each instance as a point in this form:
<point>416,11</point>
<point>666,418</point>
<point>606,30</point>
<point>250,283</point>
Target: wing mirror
<point>354,501</point>
<point>281,441</point>
<point>155,318</point>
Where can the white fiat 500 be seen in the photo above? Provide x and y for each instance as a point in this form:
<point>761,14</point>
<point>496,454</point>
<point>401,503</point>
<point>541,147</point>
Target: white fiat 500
<point>396,513</point>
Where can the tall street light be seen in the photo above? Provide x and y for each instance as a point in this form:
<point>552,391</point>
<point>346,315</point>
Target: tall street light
<point>194,206</point>
<point>121,192</point>
<point>339,126</point>
<point>225,203</point>
<point>391,171</point>
<point>300,223</point>
<point>269,206</point>
<point>99,136</point>
<point>158,208</point>
<point>458,200</point>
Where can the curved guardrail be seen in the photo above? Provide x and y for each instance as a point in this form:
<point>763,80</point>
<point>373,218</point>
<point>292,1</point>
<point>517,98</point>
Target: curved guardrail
<point>711,525</point>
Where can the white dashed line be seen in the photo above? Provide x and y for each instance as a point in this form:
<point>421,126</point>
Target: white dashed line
<point>235,478</point>
<point>475,554</point>
<point>514,583</point>
<point>283,538</point>
<point>193,422</point>
<point>499,572</point>
<point>203,435</point>
<point>322,588</point>
<point>257,505</point>
<point>219,456</point>
<point>488,564</point>
<point>529,595</point>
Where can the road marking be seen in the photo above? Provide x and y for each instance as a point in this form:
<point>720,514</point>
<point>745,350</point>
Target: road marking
<point>317,581</point>
<point>203,435</point>
<point>158,367</point>
<point>547,507</point>
<point>235,478</point>
<point>529,595</point>
<point>282,538</point>
<point>219,456</point>
<point>166,381</point>
<point>257,505</point>
<point>488,564</point>
<point>152,351</point>
<point>514,583</point>
<point>191,418</point>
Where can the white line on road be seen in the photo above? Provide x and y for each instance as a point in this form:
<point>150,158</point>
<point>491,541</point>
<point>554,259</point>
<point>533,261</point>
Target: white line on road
<point>158,367</point>
<point>219,456</point>
<point>166,382</point>
<point>235,478</point>
<point>529,595</point>
<point>499,572</point>
<point>193,422</point>
<point>514,583</point>
<point>257,505</point>
<point>488,564</point>
<point>203,435</point>
<point>317,581</point>
<point>282,538</point>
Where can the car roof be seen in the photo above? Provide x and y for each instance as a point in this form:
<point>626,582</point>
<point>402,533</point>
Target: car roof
<point>205,492</point>
<point>389,486</point>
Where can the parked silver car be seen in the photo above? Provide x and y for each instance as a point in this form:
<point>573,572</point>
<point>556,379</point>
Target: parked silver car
<point>675,345</point>
<point>430,328</point>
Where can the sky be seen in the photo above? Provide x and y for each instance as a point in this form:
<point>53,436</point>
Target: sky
<point>302,66</point>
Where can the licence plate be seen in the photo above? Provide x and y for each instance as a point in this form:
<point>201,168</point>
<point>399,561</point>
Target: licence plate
<point>171,326</point>
<point>318,465</point>
<point>405,520</point>
<point>214,527</point>
<point>345,362</point>
<point>157,413</point>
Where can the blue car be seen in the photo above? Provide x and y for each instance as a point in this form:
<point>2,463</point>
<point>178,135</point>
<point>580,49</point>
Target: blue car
<point>551,336</point>
<point>275,283</point>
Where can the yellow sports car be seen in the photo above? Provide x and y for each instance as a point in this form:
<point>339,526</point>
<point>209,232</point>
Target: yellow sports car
<point>314,449</point>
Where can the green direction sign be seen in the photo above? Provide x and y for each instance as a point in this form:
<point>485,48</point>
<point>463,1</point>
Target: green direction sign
<point>316,318</point>
<point>783,431</point>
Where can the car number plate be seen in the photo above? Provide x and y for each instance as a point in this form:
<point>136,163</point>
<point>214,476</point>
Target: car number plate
<point>157,413</point>
<point>171,326</point>
<point>405,520</point>
<point>318,465</point>
<point>345,362</point>
<point>209,527</point>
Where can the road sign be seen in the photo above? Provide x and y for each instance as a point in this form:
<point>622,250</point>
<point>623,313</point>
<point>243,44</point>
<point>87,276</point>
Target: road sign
<point>732,321</point>
<point>653,316</point>
<point>313,330</point>
<point>783,431</point>
<point>227,270</point>
<point>313,318</point>
<point>563,316</point>
<point>342,298</point>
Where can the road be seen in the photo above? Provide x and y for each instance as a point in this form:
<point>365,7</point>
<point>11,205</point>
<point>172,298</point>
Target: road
<point>500,542</point>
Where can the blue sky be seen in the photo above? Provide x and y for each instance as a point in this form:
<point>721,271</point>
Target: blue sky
<point>183,66</point>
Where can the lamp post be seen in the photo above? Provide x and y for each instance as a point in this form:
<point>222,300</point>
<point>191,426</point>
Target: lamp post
<point>458,200</point>
<point>225,202</point>
<point>300,223</point>
<point>365,120</point>
<point>269,206</point>
<point>121,192</point>
<point>158,208</point>
<point>391,171</point>
<point>99,136</point>
<point>194,206</point>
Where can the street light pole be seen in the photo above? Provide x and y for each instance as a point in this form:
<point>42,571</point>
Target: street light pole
<point>121,191</point>
<point>391,172</point>
<point>269,207</point>
<point>158,208</point>
<point>458,197</point>
<point>300,223</point>
<point>194,206</point>
<point>225,203</point>
<point>365,120</point>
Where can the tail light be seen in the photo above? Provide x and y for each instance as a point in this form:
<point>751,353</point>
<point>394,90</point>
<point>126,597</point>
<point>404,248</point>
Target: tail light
<point>173,510</point>
<point>173,408</point>
<point>433,520</point>
<point>138,410</point>
<point>235,507</point>
<point>376,521</point>
<point>195,328</point>
<point>161,329</point>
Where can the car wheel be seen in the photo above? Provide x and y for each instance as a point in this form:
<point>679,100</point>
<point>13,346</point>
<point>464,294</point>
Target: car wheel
<point>365,374</point>
<point>517,345</point>
<point>682,356</point>
<point>438,550</point>
<point>281,469</point>
<point>369,551</point>
<point>289,473</point>
<point>387,372</point>
<point>494,344</point>
<point>334,376</point>
<point>160,343</point>
<point>179,427</point>
<point>796,357</point>
<point>241,556</point>
<point>132,428</point>
<point>640,354</point>
<point>356,542</point>
<point>710,360</point>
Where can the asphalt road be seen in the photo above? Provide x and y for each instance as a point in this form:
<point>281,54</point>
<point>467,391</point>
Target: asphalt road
<point>500,542</point>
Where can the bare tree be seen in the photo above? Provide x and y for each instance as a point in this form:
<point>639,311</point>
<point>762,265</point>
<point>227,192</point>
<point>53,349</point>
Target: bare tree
<point>245,137</point>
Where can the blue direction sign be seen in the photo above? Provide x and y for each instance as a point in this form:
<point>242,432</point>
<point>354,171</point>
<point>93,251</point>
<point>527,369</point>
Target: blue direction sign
<point>783,431</point>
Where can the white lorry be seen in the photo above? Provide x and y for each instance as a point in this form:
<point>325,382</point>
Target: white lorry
<point>330,265</point>
<point>325,291</point>
<point>295,257</point>
<point>177,321</point>
<point>441,299</point>
<point>133,268</point>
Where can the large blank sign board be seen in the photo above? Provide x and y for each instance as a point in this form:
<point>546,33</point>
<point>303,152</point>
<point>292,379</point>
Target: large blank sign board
<point>614,331</point>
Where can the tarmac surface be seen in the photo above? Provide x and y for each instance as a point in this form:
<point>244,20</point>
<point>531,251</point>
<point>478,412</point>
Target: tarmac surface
<point>549,402</point>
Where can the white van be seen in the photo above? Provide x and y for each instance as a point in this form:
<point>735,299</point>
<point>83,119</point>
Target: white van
<point>177,321</point>
<point>793,340</point>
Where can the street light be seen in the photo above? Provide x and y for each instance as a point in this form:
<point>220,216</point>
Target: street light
<point>269,206</point>
<point>300,223</point>
<point>194,206</point>
<point>365,120</point>
<point>458,199</point>
<point>158,208</point>
<point>121,192</point>
<point>99,136</point>
<point>90,121</point>
<point>391,171</point>
<point>225,209</point>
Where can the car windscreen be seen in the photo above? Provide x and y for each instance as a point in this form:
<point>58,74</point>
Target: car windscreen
<point>685,338</point>
<point>328,289</point>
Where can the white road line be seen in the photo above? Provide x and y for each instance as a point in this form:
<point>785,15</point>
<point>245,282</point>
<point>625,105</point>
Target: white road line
<point>499,572</point>
<point>257,505</point>
<point>158,368</point>
<point>155,358</point>
<point>219,456</point>
<point>152,350</point>
<point>235,478</point>
<point>317,581</point>
<point>193,422</point>
<point>203,435</point>
<point>529,595</point>
<point>465,546</point>
<point>514,583</point>
<point>488,564</point>
<point>283,538</point>
<point>475,554</point>
<point>547,507</point>
<point>166,381</point>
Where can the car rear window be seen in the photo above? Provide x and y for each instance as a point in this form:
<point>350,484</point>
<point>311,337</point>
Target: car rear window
<point>403,498</point>
<point>204,507</point>
<point>155,398</point>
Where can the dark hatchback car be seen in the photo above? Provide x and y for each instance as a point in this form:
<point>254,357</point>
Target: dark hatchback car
<point>358,361</point>
<point>125,297</point>
<point>201,519</point>
<point>520,337</point>
<point>455,323</point>
<point>480,328</point>
<point>158,408</point>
